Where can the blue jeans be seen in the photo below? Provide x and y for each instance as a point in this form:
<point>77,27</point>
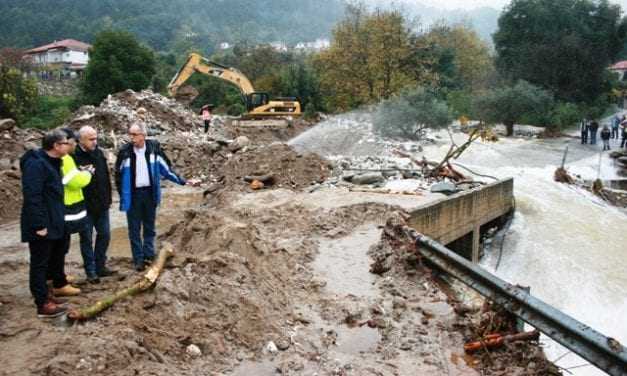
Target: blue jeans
<point>95,256</point>
<point>143,212</point>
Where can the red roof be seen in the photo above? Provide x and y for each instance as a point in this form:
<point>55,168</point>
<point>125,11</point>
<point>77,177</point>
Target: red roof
<point>69,44</point>
<point>621,65</point>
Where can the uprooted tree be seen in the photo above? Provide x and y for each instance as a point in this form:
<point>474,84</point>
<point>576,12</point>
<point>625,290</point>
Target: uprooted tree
<point>409,114</point>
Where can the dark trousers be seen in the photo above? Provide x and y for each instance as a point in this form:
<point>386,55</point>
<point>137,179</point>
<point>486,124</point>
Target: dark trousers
<point>207,122</point>
<point>593,137</point>
<point>95,256</point>
<point>142,213</point>
<point>47,259</point>
<point>615,133</point>
<point>606,144</point>
<point>584,136</point>
<point>623,140</point>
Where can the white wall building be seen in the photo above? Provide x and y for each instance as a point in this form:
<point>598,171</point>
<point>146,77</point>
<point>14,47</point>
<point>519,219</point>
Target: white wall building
<point>68,56</point>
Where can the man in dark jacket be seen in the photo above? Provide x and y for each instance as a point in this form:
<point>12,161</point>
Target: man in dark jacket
<point>97,199</point>
<point>138,170</point>
<point>42,220</point>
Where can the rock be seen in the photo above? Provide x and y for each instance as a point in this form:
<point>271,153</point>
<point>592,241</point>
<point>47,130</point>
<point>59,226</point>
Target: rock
<point>283,344</point>
<point>368,178</point>
<point>271,348</point>
<point>5,164</point>
<point>193,351</point>
<point>239,143</point>
<point>622,160</point>
<point>444,187</point>
<point>389,173</point>
<point>7,124</point>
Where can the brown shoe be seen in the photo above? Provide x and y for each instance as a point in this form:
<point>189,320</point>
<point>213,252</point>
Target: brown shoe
<point>55,300</point>
<point>50,310</point>
<point>67,290</point>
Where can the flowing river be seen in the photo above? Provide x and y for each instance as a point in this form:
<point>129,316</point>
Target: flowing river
<point>566,244</point>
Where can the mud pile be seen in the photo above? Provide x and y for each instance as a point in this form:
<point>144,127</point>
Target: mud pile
<point>289,169</point>
<point>13,143</point>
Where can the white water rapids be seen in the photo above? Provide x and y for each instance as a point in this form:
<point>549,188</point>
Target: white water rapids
<point>566,244</point>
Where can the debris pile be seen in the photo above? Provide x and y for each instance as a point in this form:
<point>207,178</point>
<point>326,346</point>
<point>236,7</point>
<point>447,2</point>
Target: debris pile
<point>118,111</point>
<point>14,142</point>
<point>397,259</point>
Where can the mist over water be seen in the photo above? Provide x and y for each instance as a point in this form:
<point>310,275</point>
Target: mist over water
<point>566,244</point>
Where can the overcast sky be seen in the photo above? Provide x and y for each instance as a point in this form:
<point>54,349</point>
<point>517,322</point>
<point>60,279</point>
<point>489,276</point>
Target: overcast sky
<point>470,4</point>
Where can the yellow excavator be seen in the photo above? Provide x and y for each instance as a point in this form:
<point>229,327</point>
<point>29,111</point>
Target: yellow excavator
<point>258,104</point>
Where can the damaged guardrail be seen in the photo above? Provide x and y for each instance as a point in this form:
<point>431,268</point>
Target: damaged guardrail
<point>604,352</point>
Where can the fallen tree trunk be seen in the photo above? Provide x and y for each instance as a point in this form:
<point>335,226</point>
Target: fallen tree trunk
<point>144,284</point>
<point>497,340</point>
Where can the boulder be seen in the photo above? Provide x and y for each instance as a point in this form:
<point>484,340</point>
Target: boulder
<point>444,187</point>
<point>7,124</point>
<point>368,178</point>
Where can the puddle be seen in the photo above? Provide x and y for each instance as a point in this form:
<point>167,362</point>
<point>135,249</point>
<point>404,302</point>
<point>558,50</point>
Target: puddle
<point>344,264</point>
<point>353,341</point>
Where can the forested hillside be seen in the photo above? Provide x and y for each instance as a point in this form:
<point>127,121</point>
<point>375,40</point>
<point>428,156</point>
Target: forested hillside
<point>164,23</point>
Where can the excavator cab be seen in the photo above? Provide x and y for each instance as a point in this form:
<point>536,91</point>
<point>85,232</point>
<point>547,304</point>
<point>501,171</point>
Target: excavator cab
<point>257,99</point>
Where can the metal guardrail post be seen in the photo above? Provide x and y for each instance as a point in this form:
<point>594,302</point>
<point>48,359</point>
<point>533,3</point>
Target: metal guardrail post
<point>604,352</point>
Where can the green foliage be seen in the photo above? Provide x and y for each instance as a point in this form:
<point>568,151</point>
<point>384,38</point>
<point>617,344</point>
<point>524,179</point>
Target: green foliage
<point>117,62</point>
<point>236,109</point>
<point>17,94</point>
<point>310,111</point>
<point>565,115</point>
<point>165,24</point>
<point>464,59</point>
<point>510,104</point>
<point>561,45</point>
<point>407,115</point>
<point>460,102</point>
<point>49,112</point>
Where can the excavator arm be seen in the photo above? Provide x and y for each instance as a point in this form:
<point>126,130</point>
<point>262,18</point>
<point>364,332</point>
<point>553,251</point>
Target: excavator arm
<point>258,104</point>
<point>197,63</point>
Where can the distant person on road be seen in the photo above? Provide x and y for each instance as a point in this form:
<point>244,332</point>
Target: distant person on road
<point>97,199</point>
<point>42,222</point>
<point>615,124</point>
<point>623,125</point>
<point>605,137</point>
<point>594,127</point>
<point>205,111</point>
<point>138,170</point>
<point>583,127</point>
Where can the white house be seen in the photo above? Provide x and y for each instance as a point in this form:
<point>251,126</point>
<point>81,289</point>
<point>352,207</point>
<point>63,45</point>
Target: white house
<point>68,56</point>
<point>317,45</point>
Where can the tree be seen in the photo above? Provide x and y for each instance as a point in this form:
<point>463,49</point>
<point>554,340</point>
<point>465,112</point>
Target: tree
<point>117,62</point>
<point>409,114</point>
<point>369,58</point>
<point>561,45</point>
<point>509,104</point>
<point>470,55</point>
<point>18,96</point>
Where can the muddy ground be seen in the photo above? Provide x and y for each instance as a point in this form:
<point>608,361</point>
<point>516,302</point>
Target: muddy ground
<point>249,272</point>
<point>283,280</point>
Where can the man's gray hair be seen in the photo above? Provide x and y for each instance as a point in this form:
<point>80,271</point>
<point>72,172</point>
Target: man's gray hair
<point>85,129</point>
<point>141,126</point>
<point>51,138</point>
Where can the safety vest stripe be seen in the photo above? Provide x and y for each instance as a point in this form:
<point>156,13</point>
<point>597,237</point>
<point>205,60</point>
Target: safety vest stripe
<point>70,175</point>
<point>75,217</point>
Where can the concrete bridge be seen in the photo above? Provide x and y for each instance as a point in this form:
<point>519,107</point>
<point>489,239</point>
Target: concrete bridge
<point>458,221</point>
